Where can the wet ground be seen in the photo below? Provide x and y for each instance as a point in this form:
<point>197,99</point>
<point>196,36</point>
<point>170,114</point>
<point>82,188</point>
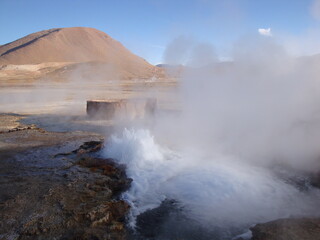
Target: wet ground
<point>48,196</point>
<point>54,185</point>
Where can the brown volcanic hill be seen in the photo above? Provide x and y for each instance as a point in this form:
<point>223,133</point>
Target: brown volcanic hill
<point>77,45</point>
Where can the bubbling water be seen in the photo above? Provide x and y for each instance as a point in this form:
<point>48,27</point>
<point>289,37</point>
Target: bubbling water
<point>212,189</point>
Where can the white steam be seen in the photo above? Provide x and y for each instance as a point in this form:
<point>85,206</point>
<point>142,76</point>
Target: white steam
<point>215,190</point>
<point>239,120</point>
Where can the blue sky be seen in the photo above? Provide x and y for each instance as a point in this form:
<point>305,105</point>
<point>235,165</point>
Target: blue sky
<point>147,26</point>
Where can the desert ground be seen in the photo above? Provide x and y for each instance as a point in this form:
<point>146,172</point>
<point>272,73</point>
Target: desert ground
<point>56,182</point>
<point>52,184</point>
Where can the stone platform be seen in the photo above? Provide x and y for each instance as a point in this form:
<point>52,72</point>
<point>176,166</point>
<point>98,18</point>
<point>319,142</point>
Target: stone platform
<point>121,108</point>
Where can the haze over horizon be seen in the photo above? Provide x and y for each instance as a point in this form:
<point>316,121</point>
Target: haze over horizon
<point>98,143</point>
<point>147,27</point>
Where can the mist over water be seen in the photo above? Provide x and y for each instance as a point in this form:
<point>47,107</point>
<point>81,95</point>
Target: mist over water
<point>214,190</point>
<point>242,123</point>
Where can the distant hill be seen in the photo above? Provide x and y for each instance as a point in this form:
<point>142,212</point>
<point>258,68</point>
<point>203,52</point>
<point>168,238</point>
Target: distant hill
<point>76,45</point>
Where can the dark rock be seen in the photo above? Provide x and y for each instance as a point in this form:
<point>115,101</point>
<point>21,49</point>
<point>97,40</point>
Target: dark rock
<point>79,201</point>
<point>288,229</point>
<point>150,223</point>
<point>315,180</point>
<point>87,147</point>
<point>118,181</point>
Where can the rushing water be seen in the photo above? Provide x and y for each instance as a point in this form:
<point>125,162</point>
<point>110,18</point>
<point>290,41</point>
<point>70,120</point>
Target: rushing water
<point>193,192</point>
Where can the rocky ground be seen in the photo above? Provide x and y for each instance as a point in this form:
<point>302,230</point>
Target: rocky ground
<point>54,187</point>
<point>288,229</point>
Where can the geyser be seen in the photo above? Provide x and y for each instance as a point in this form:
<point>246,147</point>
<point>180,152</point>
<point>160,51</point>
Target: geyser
<point>215,190</point>
<point>241,124</point>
